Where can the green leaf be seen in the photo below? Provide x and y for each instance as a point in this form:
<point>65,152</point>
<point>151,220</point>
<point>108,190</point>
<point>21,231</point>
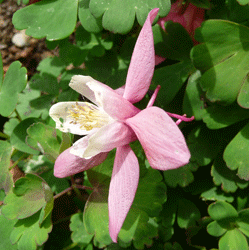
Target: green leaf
<point>43,137</point>
<point>235,154</point>
<point>88,21</point>
<point>187,213</point>
<point>204,144</point>
<point>233,239</point>
<point>205,4</point>
<point>174,246</point>
<point>79,233</point>
<point>193,102</point>
<point>215,229</point>
<point>45,82</point>
<point>52,66</point>
<point>224,44</point>
<point>54,20</point>
<point>24,108</point>
<point>6,181</point>
<point>243,222</point>
<point>14,82</point>
<point>243,2</point>
<point>171,79</point>
<point>174,44</point>
<point>218,116</point>
<point>1,70</point>
<point>28,233</point>
<point>215,194</point>
<point>29,195</point>
<point>95,215</point>
<point>119,16</point>
<point>18,137</point>
<point>6,227</point>
<point>181,176</point>
<point>222,210</point>
<point>225,177</point>
<point>10,125</point>
<point>41,166</point>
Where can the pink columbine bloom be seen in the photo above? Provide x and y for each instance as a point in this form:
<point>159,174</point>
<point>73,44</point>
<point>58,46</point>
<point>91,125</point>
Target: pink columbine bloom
<point>112,121</point>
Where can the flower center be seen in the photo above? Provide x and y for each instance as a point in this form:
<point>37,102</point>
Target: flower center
<point>88,116</point>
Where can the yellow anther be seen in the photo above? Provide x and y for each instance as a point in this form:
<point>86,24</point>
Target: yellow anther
<point>88,116</point>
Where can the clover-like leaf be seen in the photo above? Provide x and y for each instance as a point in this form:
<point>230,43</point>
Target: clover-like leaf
<point>204,144</point>
<point>41,166</point>
<point>217,116</point>
<point>243,2</point>
<point>225,177</point>
<point>51,19</point>
<point>119,16</point>
<point>88,21</point>
<point>215,229</point>
<point>235,154</point>
<point>181,176</point>
<point>10,125</point>
<point>224,44</point>
<point>171,79</point>
<point>187,213</point>
<point>243,222</point>
<point>79,233</point>
<point>233,239</point>
<point>6,227</point>
<point>24,108</point>
<point>28,232</point>
<point>215,194</point>
<point>193,102</point>
<point>52,66</point>
<point>174,44</point>
<point>174,246</point>
<point>18,137</point>
<point>29,195</point>
<point>44,138</point>
<point>45,82</point>
<point>222,210</point>
<point>14,82</point>
<point>6,181</point>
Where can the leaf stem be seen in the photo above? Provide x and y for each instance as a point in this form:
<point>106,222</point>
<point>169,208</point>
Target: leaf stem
<point>18,115</point>
<point>63,192</point>
<point>16,162</point>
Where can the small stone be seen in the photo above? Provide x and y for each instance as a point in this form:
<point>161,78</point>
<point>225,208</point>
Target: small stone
<point>20,39</point>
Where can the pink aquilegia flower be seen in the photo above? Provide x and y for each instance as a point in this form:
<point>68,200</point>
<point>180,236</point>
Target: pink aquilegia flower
<point>112,121</point>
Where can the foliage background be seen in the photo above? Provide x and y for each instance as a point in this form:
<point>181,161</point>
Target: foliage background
<point>203,205</point>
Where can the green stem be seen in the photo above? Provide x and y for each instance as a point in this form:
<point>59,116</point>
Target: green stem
<point>18,116</point>
<point>63,192</point>
<point>16,162</point>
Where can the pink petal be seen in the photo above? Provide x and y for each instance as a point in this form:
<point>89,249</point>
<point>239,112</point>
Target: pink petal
<point>142,64</point>
<point>102,95</point>
<point>123,187</point>
<point>68,164</point>
<point>188,15</point>
<point>104,140</point>
<point>162,140</point>
<point>159,59</point>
